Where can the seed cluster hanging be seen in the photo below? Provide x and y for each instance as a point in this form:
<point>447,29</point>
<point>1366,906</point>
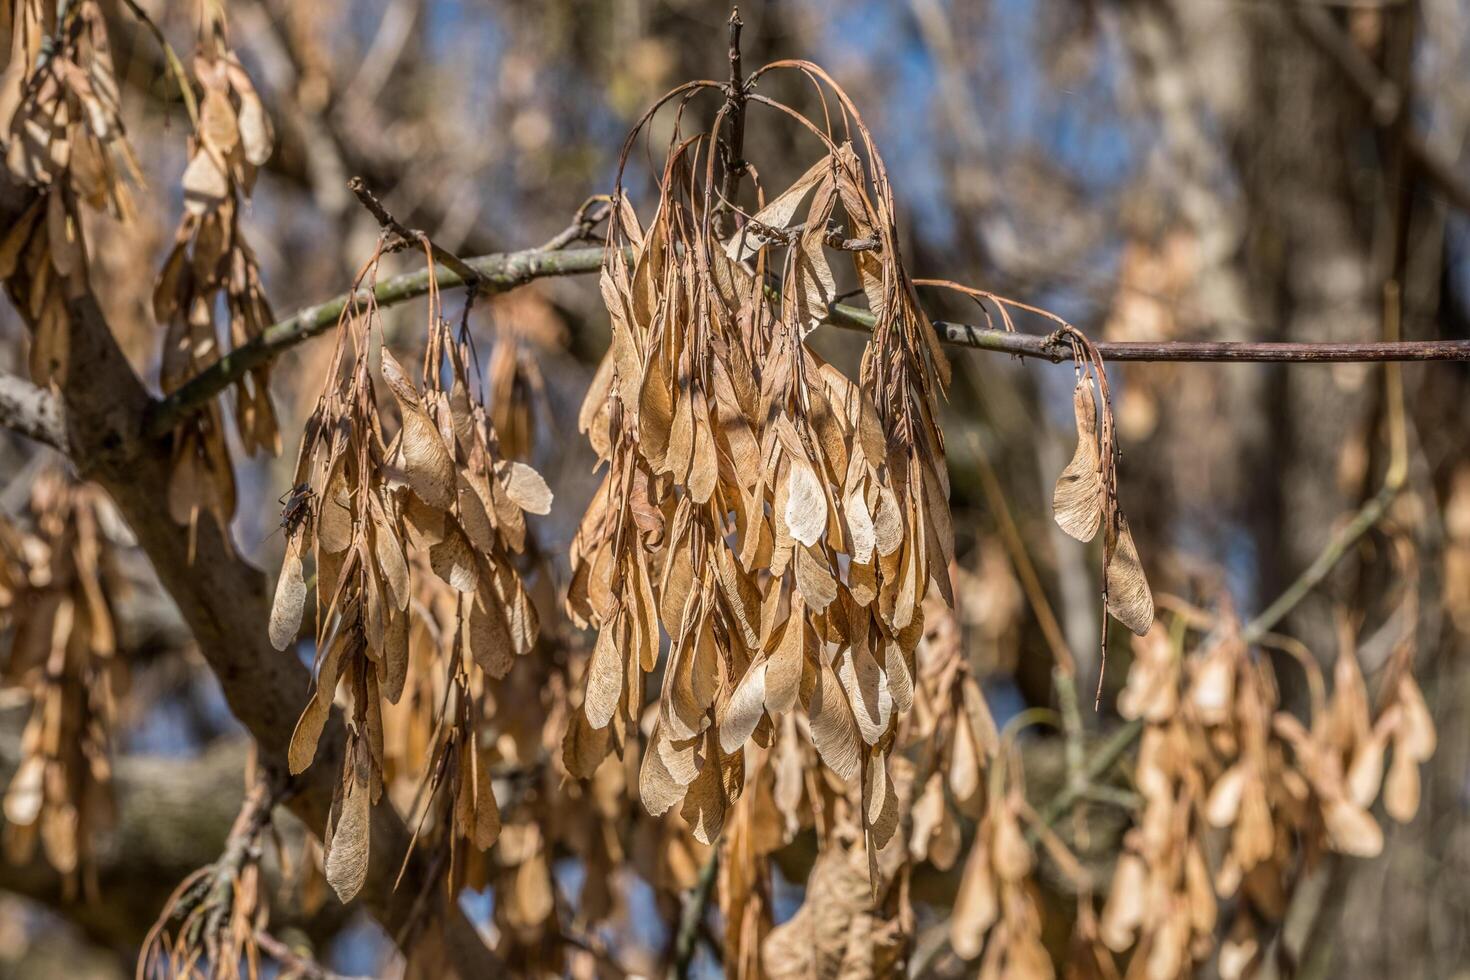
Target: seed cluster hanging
<point>779,521</point>
<point>57,580</point>
<point>61,125</point>
<point>1238,793</point>
<point>374,513</point>
<point>210,262</point>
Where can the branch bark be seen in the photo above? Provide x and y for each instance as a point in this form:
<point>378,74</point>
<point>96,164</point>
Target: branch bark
<point>31,411</point>
<point>172,818</point>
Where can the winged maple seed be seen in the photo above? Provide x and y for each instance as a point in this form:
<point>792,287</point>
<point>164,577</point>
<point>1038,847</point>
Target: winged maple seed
<point>781,523</point>
<point>435,500</point>
<point>54,595</point>
<point>63,132</point>
<point>1086,495</point>
<point>1220,761</point>
<point>210,260</point>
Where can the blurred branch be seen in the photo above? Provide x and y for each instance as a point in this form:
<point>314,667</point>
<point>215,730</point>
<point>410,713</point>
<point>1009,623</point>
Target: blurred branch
<point>1384,98</point>
<point>695,904</point>
<point>31,411</point>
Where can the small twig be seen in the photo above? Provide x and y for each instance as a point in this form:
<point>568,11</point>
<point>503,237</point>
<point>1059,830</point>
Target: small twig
<point>293,961</point>
<point>175,66</point>
<point>733,149</point>
<point>1113,748</point>
<point>695,903</point>
<point>400,237</point>
<point>1015,547</point>
<point>591,214</point>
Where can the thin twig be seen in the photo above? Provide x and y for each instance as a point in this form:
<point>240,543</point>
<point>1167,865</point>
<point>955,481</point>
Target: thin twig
<point>1015,546</point>
<point>294,962</point>
<point>695,903</point>
<point>734,148</point>
<point>400,237</point>
<point>588,217</point>
<point>1113,748</point>
<point>171,58</point>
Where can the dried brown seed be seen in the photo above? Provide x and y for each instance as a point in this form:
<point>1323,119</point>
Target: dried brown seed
<point>1129,598</point>
<point>1078,501</point>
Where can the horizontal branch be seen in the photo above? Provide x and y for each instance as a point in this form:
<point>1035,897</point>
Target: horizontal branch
<point>1030,345</point>
<point>498,274</point>
<point>31,411</point>
<point>503,272</point>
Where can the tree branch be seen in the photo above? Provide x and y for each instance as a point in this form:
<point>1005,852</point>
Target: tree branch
<point>498,274</point>
<point>31,411</point>
<point>505,271</point>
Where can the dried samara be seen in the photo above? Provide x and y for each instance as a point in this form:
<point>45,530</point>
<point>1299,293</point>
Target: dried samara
<point>778,522</point>
<point>374,513</point>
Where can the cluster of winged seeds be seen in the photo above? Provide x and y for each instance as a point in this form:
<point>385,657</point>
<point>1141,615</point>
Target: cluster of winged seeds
<point>56,584</point>
<point>211,261</point>
<point>858,917</point>
<point>60,116</point>
<point>376,513</point>
<point>1240,796</point>
<point>781,522</point>
<point>213,925</point>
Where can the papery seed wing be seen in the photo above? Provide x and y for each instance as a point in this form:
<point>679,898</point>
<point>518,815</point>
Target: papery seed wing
<point>1129,598</point>
<point>1077,501</point>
